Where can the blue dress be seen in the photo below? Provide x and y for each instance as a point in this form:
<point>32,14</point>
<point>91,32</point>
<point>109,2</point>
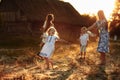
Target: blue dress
<point>103,44</point>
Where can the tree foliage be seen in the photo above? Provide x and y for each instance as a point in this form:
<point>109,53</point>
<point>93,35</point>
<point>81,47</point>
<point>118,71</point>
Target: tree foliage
<point>87,20</point>
<point>115,24</point>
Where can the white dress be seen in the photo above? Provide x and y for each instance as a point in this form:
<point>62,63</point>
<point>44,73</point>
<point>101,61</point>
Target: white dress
<point>48,47</point>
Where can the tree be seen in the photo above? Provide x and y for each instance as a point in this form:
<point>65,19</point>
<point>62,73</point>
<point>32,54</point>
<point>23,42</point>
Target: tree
<point>115,24</point>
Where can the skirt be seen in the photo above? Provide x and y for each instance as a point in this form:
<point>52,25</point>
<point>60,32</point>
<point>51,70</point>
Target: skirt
<point>103,44</point>
<point>47,50</point>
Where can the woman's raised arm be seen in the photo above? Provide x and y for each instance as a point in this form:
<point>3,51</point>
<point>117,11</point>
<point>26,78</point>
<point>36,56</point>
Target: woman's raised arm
<point>92,26</point>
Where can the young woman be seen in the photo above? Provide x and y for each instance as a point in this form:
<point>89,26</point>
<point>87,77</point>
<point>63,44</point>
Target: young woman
<point>103,44</point>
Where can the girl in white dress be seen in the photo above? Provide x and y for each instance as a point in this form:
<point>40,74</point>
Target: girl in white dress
<point>84,37</point>
<point>47,23</point>
<point>49,46</point>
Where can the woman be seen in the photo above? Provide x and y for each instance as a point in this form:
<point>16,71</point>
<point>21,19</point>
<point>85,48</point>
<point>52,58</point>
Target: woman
<point>103,44</point>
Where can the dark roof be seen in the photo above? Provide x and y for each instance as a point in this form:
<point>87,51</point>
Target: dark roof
<point>38,9</point>
<point>8,5</point>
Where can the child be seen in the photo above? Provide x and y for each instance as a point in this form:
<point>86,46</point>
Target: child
<point>49,46</point>
<point>47,23</point>
<point>84,37</point>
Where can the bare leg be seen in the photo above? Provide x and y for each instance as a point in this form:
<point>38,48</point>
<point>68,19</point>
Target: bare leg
<point>81,54</point>
<point>41,57</point>
<point>51,63</point>
<point>84,55</point>
<point>47,62</point>
<point>102,58</point>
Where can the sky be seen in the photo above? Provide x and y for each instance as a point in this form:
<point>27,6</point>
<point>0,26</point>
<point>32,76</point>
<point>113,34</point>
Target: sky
<point>92,6</point>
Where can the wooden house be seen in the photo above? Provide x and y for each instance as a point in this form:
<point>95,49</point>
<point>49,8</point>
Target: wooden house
<point>26,16</point>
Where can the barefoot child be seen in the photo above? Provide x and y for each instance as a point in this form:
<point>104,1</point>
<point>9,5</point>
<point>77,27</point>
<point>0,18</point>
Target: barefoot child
<point>47,23</point>
<point>84,37</point>
<point>49,47</point>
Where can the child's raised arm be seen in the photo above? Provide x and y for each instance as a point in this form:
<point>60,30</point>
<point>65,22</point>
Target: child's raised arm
<point>91,34</point>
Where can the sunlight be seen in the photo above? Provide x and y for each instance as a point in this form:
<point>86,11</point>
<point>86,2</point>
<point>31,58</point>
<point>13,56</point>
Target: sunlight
<point>92,6</point>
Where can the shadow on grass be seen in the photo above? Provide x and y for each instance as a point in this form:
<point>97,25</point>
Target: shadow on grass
<point>64,74</point>
<point>99,74</point>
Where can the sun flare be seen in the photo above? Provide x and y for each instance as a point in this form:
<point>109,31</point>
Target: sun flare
<point>92,6</point>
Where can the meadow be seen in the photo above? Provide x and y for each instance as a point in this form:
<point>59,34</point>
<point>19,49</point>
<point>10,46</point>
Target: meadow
<point>19,63</point>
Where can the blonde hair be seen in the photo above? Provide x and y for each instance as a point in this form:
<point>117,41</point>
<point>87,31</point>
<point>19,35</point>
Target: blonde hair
<point>52,27</point>
<point>101,15</point>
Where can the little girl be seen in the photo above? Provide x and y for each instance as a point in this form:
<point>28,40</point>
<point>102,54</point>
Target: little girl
<point>49,47</point>
<point>84,37</point>
<point>47,23</point>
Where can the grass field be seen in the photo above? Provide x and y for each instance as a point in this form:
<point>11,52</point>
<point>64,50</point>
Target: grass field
<point>18,63</point>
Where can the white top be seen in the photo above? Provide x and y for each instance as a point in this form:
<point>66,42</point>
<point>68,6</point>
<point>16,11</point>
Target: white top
<point>51,39</point>
<point>49,46</point>
<point>83,39</point>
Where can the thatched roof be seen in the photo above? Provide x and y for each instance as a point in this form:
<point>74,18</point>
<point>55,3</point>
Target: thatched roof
<point>38,9</point>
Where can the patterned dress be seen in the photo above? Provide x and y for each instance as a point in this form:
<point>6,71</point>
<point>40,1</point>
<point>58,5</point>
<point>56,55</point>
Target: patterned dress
<point>103,44</point>
<point>48,47</point>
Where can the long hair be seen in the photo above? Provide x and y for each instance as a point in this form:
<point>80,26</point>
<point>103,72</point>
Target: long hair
<point>48,21</point>
<point>101,16</point>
